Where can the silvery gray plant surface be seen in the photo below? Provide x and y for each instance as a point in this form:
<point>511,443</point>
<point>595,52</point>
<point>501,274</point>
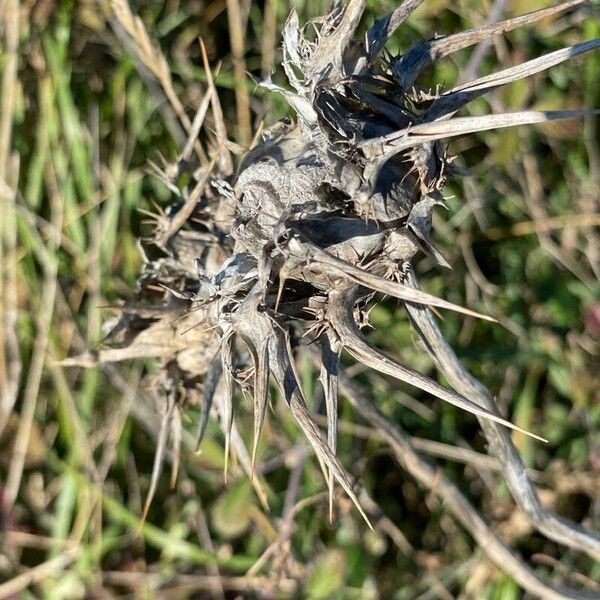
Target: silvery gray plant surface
<point>323,217</point>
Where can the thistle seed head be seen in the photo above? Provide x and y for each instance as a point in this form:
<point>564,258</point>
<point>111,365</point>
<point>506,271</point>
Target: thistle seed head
<point>323,215</point>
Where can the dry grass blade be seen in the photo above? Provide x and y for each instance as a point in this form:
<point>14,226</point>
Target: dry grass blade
<point>153,59</point>
<point>269,37</point>
<point>159,454</point>
<point>241,453</point>
<point>10,354</point>
<point>330,366</point>
<point>159,339</point>
<point>177,437</point>
<point>261,393</point>
<point>10,19</point>
<point>49,261</point>
<point>10,359</point>
<point>50,568</point>
<point>224,156</point>
<point>236,36</point>
<point>226,398</point>
<point>544,225</point>
<point>197,123</point>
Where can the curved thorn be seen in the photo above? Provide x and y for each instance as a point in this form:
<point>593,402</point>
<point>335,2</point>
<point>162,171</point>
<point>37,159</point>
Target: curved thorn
<point>283,371</point>
<point>449,102</point>
<point>330,364</point>
<point>423,54</point>
<point>353,341</point>
<point>227,398</point>
<point>379,284</point>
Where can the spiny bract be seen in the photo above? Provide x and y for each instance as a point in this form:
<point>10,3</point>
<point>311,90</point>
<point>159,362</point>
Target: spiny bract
<point>322,215</point>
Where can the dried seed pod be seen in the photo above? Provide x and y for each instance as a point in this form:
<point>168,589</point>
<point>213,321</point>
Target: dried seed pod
<point>324,214</point>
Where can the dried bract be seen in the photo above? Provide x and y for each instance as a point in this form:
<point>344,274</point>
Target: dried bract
<point>324,216</point>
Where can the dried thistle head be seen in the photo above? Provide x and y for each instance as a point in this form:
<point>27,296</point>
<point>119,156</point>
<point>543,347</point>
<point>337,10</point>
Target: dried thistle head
<point>323,216</point>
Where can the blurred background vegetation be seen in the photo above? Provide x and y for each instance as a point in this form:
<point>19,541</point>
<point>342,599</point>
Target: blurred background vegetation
<point>81,118</point>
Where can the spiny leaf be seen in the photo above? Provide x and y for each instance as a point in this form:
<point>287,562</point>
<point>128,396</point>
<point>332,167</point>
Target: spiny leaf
<point>227,395</point>
<point>284,373</point>
<point>355,343</point>
<point>384,27</point>
<point>408,67</point>
<point>314,254</point>
<point>327,57</point>
<point>449,102</point>
<point>391,144</point>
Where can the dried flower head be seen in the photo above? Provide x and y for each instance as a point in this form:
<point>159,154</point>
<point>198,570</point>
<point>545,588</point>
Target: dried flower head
<point>323,216</point>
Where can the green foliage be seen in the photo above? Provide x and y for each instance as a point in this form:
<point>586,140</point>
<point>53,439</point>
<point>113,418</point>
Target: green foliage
<point>327,575</point>
<point>231,512</point>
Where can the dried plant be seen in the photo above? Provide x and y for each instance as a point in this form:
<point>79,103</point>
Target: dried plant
<point>324,216</point>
